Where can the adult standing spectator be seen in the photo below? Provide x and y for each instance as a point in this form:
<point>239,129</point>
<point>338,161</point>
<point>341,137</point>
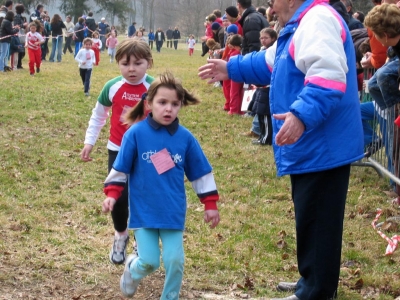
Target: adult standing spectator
<point>132,30</point>
<point>22,23</point>
<point>353,22</point>
<point>359,15</point>
<point>232,14</point>
<point>79,34</point>
<point>37,14</point>
<point>160,39</point>
<point>103,31</point>
<point>219,33</point>
<point>6,31</point>
<point>151,38</point>
<point>57,26</point>
<point>90,24</point>
<point>317,129</point>
<point>45,20</point>
<point>169,33</point>
<point>8,6</point>
<point>252,22</point>
<point>263,11</point>
<point>176,35</point>
<point>19,19</point>
<point>69,31</point>
<point>377,57</point>
<point>384,22</point>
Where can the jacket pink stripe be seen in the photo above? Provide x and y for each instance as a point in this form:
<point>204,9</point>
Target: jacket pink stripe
<point>325,83</point>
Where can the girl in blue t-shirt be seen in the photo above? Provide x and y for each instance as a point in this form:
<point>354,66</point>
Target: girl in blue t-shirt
<point>157,153</point>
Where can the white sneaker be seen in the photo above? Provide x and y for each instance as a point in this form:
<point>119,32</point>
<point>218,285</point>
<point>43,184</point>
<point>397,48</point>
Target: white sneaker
<point>127,285</point>
<point>118,250</point>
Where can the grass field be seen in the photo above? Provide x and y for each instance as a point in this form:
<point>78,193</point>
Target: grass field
<point>54,240</point>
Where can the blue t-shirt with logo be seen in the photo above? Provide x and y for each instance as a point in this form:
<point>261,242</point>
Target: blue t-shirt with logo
<point>159,201</point>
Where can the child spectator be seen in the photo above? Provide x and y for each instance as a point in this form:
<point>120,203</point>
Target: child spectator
<point>233,91</point>
<point>213,46</point>
<point>268,36</point>
<point>208,34</point>
<point>158,152</point>
<point>260,102</point>
<point>86,59</point>
<point>119,95</point>
<point>191,43</point>
<point>111,44</point>
<point>96,46</point>
<point>33,42</point>
<point>15,49</point>
<point>139,35</point>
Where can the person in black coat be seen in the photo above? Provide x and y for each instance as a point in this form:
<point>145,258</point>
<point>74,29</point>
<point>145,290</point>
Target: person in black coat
<point>6,31</point>
<point>252,22</point>
<point>169,37</point>
<point>160,39</point>
<point>57,25</point>
<point>90,24</point>
<point>176,35</point>
<point>79,34</point>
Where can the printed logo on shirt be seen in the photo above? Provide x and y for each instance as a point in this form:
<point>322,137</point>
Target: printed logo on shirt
<point>133,97</point>
<point>177,158</point>
<point>283,55</point>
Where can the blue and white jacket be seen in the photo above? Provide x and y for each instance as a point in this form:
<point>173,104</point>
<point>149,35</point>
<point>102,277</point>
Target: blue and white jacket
<point>311,70</point>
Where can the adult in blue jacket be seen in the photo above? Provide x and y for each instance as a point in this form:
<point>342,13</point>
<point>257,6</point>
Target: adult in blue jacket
<point>132,30</point>
<point>316,128</point>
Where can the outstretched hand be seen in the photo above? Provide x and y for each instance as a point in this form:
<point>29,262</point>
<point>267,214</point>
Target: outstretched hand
<point>211,216</point>
<point>215,70</point>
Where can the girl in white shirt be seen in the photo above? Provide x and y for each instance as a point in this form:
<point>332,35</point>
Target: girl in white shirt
<point>86,59</point>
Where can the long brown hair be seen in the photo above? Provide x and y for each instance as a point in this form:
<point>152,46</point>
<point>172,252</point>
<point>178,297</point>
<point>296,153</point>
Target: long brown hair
<point>168,81</point>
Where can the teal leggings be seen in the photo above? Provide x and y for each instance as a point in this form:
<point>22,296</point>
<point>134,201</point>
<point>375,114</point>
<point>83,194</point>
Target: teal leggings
<point>149,258</point>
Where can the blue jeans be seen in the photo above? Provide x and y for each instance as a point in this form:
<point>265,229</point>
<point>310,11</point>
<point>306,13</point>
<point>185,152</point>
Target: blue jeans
<point>78,46</point>
<point>4,50</point>
<point>86,74</point>
<point>149,258</point>
<point>56,42</point>
<point>383,86</point>
<point>255,126</point>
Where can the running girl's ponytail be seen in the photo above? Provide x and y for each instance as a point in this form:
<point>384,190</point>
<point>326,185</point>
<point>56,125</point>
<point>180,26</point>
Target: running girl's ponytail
<point>136,113</point>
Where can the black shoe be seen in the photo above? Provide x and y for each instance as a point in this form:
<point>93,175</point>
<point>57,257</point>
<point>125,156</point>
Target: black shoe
<point>286,286</point>
<point>7,69</point>
<point>37,70</point>
<point>20,67</point>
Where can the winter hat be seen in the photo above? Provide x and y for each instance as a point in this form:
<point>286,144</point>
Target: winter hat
<point>224,17</point>
<point>232,11</point>
<point>232,29</point>
<point>215,26</point>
